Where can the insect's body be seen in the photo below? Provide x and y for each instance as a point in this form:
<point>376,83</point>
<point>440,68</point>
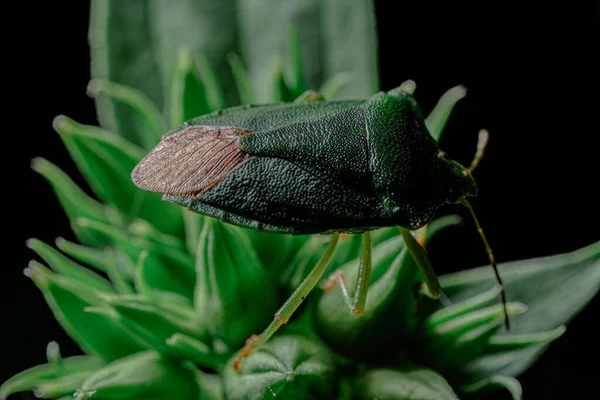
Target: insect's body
<point>322,167</point>
<point>313,167</point>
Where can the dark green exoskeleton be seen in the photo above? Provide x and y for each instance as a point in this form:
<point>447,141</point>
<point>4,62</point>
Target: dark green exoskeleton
<point>313,167</point>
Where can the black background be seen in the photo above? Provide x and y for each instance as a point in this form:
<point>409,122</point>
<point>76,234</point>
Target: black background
<point>532,79</point>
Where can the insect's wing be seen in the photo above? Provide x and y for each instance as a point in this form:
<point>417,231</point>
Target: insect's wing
<point>190,161</point>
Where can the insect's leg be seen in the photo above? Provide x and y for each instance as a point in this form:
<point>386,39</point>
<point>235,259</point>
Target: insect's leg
<point>364,276</point>
<point>356,305</point>
<point>420,256</point>
<point>292,303</point>
<point>308,96</point>
<point>488,249</point>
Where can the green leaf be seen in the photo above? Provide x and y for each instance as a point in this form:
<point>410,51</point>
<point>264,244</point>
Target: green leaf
<point>392,276</point>
<point>122,46</point>
<point>458,341</point>
<point>411,383</point>
<point>196,351</point>
<point>167,268</point>
<point>32,378</point>
<point>233,294</point>
<point>279,90</point>
<point>142,108</point>
<point>142,375</point>
<point>160,281</point>
<point>208,30</point>
<point>436,120</point>
<point>95,258</point>
<point>494,382</point>
<point>241,78</point>
<point>295,77</point>
<point>542,284</point>
<point>187,95</point>
<point>349,45</point>
<point>67,267</point>
<point>336,36</point>
<point>74,201</point>
<point>106,161</point>
<point>332,87</point>
<point>390,301</point>
<point>68,299</point>
<point>162,319</point>
<point>287,367</point>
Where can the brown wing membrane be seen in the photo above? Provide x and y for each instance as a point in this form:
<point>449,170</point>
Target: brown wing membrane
<point>190,161</point>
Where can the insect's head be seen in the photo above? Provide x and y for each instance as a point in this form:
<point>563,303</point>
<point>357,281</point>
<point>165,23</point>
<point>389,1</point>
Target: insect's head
<point>459,181</point>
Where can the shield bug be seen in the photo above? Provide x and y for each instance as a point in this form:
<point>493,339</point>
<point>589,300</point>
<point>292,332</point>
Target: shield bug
<point>315,167</point>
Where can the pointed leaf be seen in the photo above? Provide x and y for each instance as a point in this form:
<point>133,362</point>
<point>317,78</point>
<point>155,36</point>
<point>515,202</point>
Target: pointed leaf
<point>295,76</point>
<point>95,258</point>
<point>67,299</point>
<point>543,284</point>
<point>106,161</point>
<point>436,120</point>
<point>494,382</point>
<point>162,319</point>
<point>411,383</point>
<point>156,281</point>
<point>390,301</point>
<point>208,29</point>
<point>142,375</point>
<point>67,267</point>
<point>336,36</point>
<point>147,116</point>
<point>187,94</point>
<point>31,378</point>
<point>233,294</point>
<point>74,201</point>
<point>241,78</point>
<point>333,86</point>
<point>116,31</point>
<point>285,367</point>
<point>196,351</point>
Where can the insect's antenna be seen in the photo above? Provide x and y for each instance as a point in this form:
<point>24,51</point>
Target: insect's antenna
<point>481,143</point>
<point>492,259</point>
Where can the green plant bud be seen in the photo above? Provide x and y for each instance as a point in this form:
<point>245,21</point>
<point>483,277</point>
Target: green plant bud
<point>409,383</point>
<point>68,298</point>
<point>287,367</point>
<point>143,375</point>
<point>233,294</point>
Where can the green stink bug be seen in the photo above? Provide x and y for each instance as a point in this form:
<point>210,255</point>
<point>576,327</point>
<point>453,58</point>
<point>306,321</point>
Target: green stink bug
<point>313,166</point>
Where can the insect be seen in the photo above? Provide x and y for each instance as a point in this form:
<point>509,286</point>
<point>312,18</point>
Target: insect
<point>316,167</point>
